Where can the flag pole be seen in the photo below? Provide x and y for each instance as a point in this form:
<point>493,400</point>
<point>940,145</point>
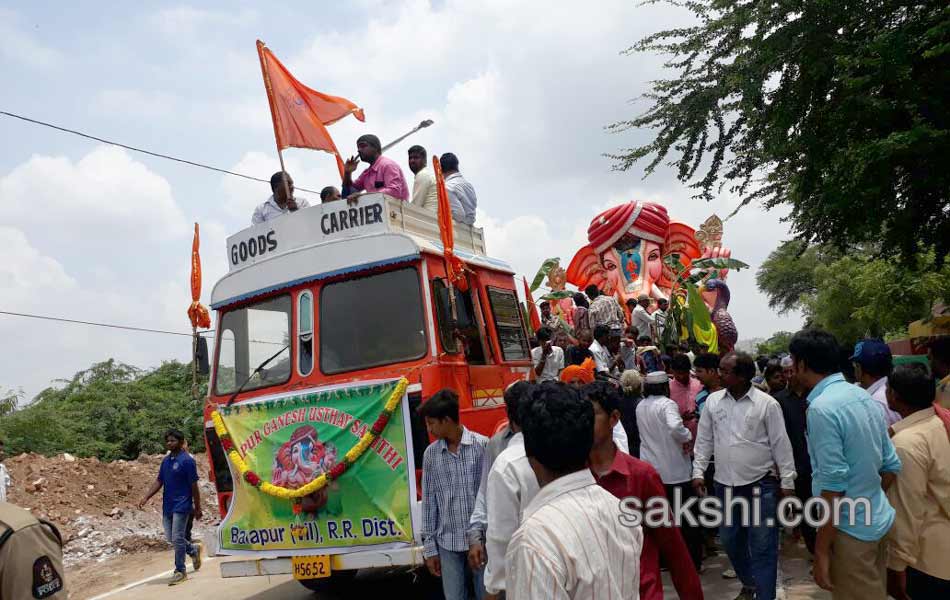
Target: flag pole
<point>194,363</point>
<point>275,116</point>
<point>421,125</point>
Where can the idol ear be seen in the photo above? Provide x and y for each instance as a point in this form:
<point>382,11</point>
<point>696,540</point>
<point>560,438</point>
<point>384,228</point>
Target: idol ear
<point>585,269</point>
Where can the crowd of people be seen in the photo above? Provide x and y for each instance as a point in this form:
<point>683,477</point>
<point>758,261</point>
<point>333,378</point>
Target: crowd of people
<point>383,175</point>
<point>537,511</point>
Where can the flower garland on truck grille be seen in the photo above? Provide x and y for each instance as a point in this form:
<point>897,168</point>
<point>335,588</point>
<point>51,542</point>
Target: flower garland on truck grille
<point>320,482</point>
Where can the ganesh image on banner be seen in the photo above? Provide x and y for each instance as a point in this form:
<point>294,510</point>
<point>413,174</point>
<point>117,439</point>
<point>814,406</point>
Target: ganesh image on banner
<point>627,252</point>
<point>300,460</point>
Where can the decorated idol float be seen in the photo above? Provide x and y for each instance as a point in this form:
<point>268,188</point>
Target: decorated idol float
<point>635,248</point>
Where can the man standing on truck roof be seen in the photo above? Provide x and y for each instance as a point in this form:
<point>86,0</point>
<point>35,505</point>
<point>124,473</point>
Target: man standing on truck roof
<point>282,200</point>
<point>383,174</point>
<point>461,193</point>
<point>178,474</point>
<point>329,194</point>
<point>425,193</point>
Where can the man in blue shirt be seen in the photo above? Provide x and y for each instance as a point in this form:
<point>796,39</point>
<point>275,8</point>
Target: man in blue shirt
<point>178,475</point>
<point>851,454</point>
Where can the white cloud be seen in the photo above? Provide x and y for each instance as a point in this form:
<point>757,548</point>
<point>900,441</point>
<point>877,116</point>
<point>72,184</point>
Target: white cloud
<point>105,196</point>
<point>24,269</point>
<point>22,47</point>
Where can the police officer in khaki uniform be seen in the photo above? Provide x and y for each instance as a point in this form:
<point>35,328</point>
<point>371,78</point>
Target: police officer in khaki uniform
<point>31,557</point>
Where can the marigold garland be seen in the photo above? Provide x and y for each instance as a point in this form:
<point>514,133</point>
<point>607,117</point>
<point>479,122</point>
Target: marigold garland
<point>320,482</point>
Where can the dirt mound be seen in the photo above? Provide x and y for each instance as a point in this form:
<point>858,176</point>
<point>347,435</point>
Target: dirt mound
<point>94,504</point>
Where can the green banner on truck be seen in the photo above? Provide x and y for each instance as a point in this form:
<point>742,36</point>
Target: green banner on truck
<point>291,440</point>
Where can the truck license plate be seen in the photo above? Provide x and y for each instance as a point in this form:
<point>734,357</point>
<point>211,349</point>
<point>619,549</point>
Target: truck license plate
<point>310,567</point>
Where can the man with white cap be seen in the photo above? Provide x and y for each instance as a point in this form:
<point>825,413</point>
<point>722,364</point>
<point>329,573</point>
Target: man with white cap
<point>663,443</point>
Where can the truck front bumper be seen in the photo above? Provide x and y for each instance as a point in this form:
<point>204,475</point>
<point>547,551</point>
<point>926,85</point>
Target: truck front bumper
<point>370,559</point>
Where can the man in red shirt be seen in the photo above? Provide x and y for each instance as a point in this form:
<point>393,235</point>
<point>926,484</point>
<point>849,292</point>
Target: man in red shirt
<point>624,476</point>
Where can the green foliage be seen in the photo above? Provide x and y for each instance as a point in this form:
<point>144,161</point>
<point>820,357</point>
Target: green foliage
<point>837,109</point>
<point>853,295</point>
<point>110,411</point>
<point>788,274</point>
<point>546,267</point>
<point>777,344</point>
<point>9,400</point>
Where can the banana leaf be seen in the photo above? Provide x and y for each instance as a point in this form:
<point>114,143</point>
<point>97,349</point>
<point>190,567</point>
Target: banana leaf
<point>698,312</point>
<point>560,295</point>
<point>546,267</point>
<point>719,263</point>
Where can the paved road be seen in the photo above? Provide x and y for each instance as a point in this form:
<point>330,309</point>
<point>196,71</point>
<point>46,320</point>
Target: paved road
<point>207,584</point>
<point>794,584</point>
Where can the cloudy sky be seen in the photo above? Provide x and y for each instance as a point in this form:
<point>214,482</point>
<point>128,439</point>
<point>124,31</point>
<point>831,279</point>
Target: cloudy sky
<point>520,91</point>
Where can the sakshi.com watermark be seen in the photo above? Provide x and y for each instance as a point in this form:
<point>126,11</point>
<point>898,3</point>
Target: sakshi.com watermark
<point>732,510</point>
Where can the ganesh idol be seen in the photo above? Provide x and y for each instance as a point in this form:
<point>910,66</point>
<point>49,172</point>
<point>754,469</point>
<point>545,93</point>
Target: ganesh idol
<point>626,251</point>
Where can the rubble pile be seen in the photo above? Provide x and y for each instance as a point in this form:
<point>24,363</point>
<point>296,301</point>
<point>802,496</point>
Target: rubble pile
<point>95,504</point>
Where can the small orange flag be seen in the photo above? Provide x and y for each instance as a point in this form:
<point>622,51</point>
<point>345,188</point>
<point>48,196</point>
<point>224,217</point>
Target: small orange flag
<point>531,306</point>
<point>300,114</point>
<point>196,312</point>
<point>454,267</point>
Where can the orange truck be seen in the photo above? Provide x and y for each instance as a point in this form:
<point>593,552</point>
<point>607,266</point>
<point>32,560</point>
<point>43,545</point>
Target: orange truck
<point>340,293</point>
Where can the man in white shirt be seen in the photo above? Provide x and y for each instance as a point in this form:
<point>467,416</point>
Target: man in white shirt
<point>663,437</point>
<point>605,348</point>
<point>664,443</point>
<point>511,486</point>
<point>281,202</point>
<point>571,542</point>
<point>745,430</point>
<point>641,319</point>
<point>461,193</point>
<point>873,363</point>
<point>425,192</point>
<point>548,359</point>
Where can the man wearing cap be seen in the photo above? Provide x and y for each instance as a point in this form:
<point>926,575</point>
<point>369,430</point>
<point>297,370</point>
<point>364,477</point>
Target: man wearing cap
<point>664,441</point>
<point>383,175</point>
<point>872,364</point>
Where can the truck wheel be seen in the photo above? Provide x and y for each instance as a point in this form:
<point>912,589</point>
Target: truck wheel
<point>336,580</point>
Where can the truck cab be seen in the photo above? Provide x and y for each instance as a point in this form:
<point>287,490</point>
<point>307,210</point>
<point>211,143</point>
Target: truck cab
<point>339,293</point>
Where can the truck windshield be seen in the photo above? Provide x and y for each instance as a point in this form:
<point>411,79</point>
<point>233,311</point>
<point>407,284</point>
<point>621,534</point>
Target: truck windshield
<point>371,321</point>
<point>249,335</point>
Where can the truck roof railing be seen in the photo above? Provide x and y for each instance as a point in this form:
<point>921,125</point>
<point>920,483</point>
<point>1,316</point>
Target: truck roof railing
<point>336,221</point>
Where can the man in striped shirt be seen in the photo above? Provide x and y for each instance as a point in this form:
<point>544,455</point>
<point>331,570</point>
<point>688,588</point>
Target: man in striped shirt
<point>571,542</point>
<point>451,473</point>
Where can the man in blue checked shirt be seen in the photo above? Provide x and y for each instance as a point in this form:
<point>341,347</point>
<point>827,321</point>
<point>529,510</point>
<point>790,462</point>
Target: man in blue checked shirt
<point>852,458</point>
<point>451,473</point>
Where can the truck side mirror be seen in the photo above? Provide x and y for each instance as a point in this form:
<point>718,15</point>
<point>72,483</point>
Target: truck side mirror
<point>201,355</point>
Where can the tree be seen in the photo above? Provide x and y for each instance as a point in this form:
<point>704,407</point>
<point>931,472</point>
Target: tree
<point>777,344</point>
<point>853,294</point>
<point>110,411</point>
<point>838,109</point>
<point>10,401</point>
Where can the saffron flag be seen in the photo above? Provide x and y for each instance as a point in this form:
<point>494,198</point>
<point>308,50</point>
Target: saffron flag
<point>301,114</point>
<point>454,267</point>
<point>532,307</point>
<point>197,313</point>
